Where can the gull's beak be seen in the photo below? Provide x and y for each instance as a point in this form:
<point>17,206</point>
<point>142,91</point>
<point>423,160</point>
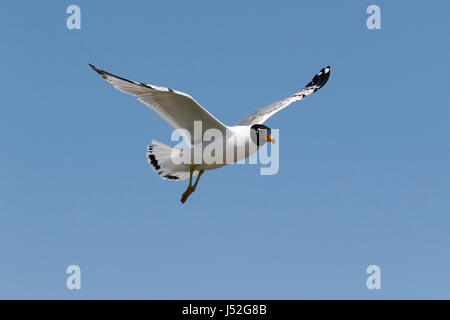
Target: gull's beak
<point>271,139</point>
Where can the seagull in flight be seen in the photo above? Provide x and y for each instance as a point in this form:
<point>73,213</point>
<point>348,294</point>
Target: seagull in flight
<point>181,111</point>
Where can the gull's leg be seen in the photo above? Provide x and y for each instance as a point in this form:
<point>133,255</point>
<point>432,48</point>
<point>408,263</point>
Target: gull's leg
<point>198,178</point>
<point>190,188</point>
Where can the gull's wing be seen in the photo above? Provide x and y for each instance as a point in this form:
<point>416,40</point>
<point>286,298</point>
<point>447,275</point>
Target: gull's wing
<point>261,115</point>
<point>177,108</point>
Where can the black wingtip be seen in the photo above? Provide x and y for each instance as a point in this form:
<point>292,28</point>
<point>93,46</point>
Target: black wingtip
<point>94,67</point>
<point>320,79</point>
<point>99,71</point>
<point>326,69</point>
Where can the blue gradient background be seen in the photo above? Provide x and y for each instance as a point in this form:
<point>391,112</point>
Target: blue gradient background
<point>364,163</point>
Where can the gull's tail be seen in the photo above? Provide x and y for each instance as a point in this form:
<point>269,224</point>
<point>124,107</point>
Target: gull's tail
<point>160,156</point>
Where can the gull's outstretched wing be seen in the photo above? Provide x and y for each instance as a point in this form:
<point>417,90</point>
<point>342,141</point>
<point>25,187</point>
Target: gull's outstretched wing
<point>261,115</point>
<point>177,108</point>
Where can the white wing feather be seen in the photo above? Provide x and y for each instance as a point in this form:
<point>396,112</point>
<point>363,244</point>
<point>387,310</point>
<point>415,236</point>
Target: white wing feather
<point>177,108</point>
<point>261,115</point>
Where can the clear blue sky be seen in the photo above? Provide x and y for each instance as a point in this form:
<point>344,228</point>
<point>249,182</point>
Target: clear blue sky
<point>364,163</point>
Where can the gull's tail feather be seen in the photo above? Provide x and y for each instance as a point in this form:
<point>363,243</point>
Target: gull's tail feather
<point>160,156</point>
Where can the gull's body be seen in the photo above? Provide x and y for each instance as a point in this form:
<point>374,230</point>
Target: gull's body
<point>235,149</point>
<point>240,148</point>
<point>182,112</point>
